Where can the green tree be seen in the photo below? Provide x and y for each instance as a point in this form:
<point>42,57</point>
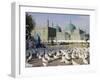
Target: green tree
<point>30,24</point>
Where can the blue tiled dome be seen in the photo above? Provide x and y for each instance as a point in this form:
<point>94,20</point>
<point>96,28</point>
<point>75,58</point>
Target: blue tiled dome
<point>70,27</point>
<point>58,29</point>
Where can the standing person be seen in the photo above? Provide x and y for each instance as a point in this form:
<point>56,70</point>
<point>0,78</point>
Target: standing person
<point>37,40</point>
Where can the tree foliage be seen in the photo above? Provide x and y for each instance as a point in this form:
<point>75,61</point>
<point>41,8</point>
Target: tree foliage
<point>30,24</point>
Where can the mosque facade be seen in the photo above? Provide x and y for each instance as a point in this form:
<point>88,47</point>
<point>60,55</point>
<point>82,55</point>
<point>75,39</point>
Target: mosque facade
<point>55,33</point>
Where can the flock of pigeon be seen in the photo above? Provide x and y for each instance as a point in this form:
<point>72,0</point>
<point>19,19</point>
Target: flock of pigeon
<point>66,55</point>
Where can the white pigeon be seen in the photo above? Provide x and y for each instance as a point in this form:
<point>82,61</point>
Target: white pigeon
<point>29,58</point>
<point>74,62</point>
<point>47,57</point>
<point>44,61</point>
<point>68,56</point>
<point>86,54</point>
<point>81,54</point>
<point>63,59</point>
<point>63,52</point>
<point>40,57</point>
<point>68,61</point>
<point>58,53</point>
<point>55,56</point>
<point>73,54</point>
<point>85,61</point>
<point>28,65</point>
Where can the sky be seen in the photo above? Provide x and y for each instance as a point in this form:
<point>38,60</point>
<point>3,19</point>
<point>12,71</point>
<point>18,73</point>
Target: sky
<point>80,21</point>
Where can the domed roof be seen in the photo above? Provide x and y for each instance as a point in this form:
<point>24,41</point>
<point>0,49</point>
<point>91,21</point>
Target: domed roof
<point>70,27</point>
<point>58,29</point>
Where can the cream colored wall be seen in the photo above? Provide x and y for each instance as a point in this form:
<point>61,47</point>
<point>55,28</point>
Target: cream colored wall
<point>75,35</point>
<point>43,32</point>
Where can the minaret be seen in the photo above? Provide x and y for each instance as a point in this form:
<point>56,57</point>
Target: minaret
<point>52,24</point>
<point>47,22</point>
<point>70,20</point>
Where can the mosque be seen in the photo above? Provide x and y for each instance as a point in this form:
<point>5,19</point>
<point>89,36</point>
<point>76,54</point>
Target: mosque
<point>55,33</point>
